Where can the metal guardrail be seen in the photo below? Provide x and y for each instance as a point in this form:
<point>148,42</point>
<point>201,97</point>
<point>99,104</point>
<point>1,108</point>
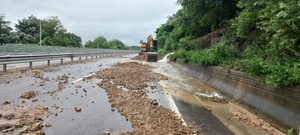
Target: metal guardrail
<point>25,49</point>
<point>13,59</point>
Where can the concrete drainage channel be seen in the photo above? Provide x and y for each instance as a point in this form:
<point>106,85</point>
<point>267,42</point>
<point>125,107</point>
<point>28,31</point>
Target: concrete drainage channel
<point>278,106</point>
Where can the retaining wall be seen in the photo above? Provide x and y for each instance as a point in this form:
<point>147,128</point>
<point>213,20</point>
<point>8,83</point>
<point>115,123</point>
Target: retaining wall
<point>280,106</point>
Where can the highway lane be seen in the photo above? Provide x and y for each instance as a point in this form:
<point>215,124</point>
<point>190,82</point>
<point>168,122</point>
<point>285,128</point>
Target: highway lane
<point>96,115</point>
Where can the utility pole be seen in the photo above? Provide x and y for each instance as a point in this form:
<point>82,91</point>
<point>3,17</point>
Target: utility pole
<point>40,32</point>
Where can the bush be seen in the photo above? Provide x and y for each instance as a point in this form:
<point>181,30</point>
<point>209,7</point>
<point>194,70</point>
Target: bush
<point>162,52</point>
<point>183,55</point>
<point>217,55</point>
<point>275,74</point>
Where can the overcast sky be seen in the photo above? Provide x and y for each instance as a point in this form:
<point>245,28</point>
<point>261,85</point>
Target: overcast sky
<point>126,20</point>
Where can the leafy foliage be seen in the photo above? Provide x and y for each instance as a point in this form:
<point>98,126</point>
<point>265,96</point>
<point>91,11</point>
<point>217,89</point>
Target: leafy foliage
<point>261,37</point>
<point>217,55</point>
<point>101,42</point>
<point>5,30</point>
<point>28,32</point>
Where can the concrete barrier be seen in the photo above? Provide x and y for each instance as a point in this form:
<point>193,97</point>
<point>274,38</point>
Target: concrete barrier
<point>279,106</point>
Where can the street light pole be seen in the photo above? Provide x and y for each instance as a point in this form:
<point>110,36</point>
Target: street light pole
<point>40,33</point>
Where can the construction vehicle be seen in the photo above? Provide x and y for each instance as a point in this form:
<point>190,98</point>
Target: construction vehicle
<point>149,49</point>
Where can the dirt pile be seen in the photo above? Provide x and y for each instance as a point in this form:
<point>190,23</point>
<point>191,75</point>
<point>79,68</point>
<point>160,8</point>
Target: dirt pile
<point>28,94</point>
<point>22,120</point>
<point>144,57</point>
<point>39,75</point>
<point>145,115</point>
<point>62,81</point>
<point>255,123</point>
<point>140,57</point>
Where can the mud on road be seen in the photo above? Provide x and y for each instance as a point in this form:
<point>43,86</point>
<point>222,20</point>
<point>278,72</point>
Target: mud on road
<point>125,85</point>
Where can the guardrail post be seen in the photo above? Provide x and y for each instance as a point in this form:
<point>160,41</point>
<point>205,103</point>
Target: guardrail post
<point>86,57</point>
<point>30,64</point>
<point>4,67</point>
<point>71,59</point>
<point>48,62</point>
<point>61,61</point>
<point>91,57</point>
<point>79,58</point>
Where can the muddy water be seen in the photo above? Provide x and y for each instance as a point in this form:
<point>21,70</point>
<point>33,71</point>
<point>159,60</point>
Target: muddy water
<point>186,89</point>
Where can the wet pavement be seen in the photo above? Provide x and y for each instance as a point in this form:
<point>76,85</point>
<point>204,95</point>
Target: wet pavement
<point>201,118</point>
<point>96,115</point>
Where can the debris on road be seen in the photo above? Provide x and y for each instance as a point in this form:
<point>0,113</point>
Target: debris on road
<point>28,94</point>
<point>252,121</point>
<point>16,119</point>
<point>106,133</point>
<point>145,115</point>
<point>39,75</point>
<point>6,102</point>
<point>140,57</point>
<point>48,125</point>
<point>143,57</point>
<point>62,81</point>
<point>77,109</point>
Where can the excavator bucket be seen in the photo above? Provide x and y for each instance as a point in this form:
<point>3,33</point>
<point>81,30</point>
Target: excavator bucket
<point>152,57</point>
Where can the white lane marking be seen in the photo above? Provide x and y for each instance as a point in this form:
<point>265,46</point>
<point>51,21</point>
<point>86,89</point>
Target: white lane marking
<point>82,78</point>
<point>174,107</point>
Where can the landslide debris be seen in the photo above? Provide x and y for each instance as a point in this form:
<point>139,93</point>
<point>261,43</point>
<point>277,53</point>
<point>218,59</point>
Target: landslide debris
<point>144,57</point>
<point>28,94</point>
<point>28,121</point>
<point>62,81</point>
<point>145,115</point>
<point>254,123</point>
<point>39,75</point>
<point>140,57</point>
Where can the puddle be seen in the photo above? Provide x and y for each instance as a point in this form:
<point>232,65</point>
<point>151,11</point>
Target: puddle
<point>158,94</point>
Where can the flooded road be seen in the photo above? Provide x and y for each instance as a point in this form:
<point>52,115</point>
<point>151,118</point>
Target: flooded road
<point>203,106</point>
<point>75,105</point>
<point>95,117</point>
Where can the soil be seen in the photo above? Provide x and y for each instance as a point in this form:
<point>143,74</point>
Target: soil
<point>251,120</point>
<point>140,57</point>
<point>144,57</point>
<point>25,121</point>
<point>125,85</point>
<point>29,94</point>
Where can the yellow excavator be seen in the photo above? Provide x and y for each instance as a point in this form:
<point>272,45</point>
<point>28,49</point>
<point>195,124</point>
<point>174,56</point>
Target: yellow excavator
<point>149,48</point>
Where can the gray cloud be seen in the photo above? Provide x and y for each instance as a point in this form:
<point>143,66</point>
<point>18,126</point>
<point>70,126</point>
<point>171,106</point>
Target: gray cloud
<point>127,20</point>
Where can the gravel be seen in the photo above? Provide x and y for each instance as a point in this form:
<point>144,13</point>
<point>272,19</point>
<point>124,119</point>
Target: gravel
<point>145,115</point>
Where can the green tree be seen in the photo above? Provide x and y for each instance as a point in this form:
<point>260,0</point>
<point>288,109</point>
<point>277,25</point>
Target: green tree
<point>5,30</point>
<point>116,44</point>
<point>63,39</point>
<point>30,27</point>
<point>99,42</point>
<point>51,26</point>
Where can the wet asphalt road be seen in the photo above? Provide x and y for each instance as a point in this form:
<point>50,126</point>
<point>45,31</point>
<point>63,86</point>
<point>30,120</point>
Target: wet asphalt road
<point>96,115</point>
